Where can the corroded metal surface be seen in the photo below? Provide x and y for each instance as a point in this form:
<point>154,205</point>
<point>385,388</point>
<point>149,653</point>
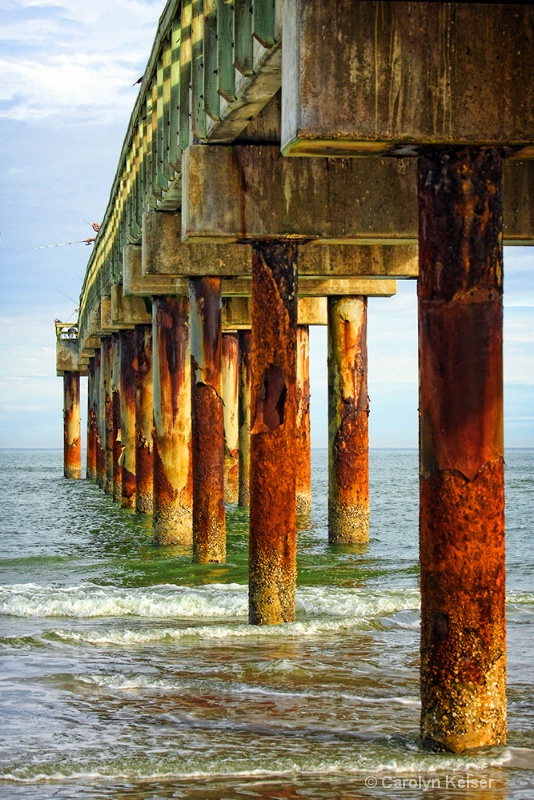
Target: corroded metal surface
<point>348,413</point>
<point>100,421</point>
<point>209,516</point>
<point>245,378</point>
<point>72,436</point>
<point>463,650</point>
<point>116,414</point>
<point>91,422</point>
<point>230,369</point>
<point>303,492</point>
<point>272,547</point>
<point>173,491</point>
<point>107,407</point>
<point>128,375</point>
<point>144,420</point>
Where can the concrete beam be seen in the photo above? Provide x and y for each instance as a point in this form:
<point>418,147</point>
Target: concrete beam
<point>164,253</point>
<point>420,74</point>
<point>68,357</point>
<point>128,311</point>
<point>371,201</point>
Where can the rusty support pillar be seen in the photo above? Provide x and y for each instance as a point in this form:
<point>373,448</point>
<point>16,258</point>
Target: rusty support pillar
<point>245,348</point>
<point>272,545</point>
<point>116,412</point>
<point>72,434</point>
<point>107,408</point>
<point>348,412</point>
<point>463,650</point>
<point>144,421</point>
<point>230,370</point>
<point>209,516</point>
<point>303,493</point>
<point>128,375</point>
<point>92,434</point>
<point>100,420</point>
<point>173,494</point>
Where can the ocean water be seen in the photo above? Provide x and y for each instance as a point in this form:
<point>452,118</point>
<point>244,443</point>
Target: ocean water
<point>128,672</point>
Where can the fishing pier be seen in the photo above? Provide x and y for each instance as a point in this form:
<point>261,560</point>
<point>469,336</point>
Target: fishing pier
<point>285,161</point>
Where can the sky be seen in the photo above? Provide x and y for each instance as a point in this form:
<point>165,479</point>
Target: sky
<point>67,76</point>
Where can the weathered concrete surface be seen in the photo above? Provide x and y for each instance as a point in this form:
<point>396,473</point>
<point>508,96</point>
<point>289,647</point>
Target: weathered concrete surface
<point>72,434</point>
<point>209,515</point>
<point>303,429</point>
<point>463,650</point>
<point>92,424</point>
<point>128,311</point>
<point>128,380</point>
<point>116,415</point>
<point>360,200</point>
<point>144,420</point>
<point>348,413</point>
<point>173,490</point>
<point>107,408</point>
<point>420,73</point>
<point>245,388</point>
<point>100,420</point>
<point>272,542</point>
<point>230,371</point>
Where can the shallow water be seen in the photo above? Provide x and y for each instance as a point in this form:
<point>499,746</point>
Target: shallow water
<point>128,672</point>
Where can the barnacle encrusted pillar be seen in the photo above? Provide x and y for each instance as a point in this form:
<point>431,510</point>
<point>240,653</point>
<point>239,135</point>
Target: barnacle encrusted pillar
<point>463,650</point>
<point>348,412</point>
<point>303,494</point>
<point>209,515</point>
<point>144,421</point>
<point>128,372</point>
<point>173,492</point>
<point>272,544</point>
<point>245,348</point>
<point>92,435</point>
<point>230,369</point>
<point>116,413</point>
<point>72,434</point>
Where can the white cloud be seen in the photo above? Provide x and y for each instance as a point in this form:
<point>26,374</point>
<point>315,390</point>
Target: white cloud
<point>74,60</point>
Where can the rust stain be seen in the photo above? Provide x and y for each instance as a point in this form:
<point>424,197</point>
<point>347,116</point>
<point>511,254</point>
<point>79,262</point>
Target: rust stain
<point>463,659</point>
<point>245,348</point>
<point>91,423</point>
<point>100,422</point>
<point>348,400</point>
<point>209,514</point>
<point>144,416</point>
<point>230,370</point>
<point>128,388</point>
<point>303,487</point>
<point>72,444</point>
<point>272,544</point>
<point>172,422</point>
<point>108,414</point>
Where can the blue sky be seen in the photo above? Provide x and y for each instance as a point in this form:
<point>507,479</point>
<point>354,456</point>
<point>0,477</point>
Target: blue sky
<point>67,69</point>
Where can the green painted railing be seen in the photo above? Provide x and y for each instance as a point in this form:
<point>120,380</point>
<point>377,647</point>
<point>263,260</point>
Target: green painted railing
<point>198,87</point>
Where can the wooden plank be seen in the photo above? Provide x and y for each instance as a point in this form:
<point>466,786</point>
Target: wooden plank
<point>175,151</point>
<point>198,116</point>
<point>186,51</point>
<point>212,98</point>
<point>263,22</point>
<point>244,45</point>
<point>225,50</point>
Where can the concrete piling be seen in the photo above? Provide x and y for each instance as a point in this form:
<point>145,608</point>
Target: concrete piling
<point>107,406</point>
<point>100,421</point>
<point>230,370</point>
<point>303,443</point>
<point>144,421</point>
<point>463,650</point>
<point>209,515</point>
<point>116,416</point>
<point>272,543</point>
<point>128,374</point>
<point>72,434</point>
<point>91,457</point>
<point>173,492</point>
<point>348,411</point>
<point>245,349</point>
